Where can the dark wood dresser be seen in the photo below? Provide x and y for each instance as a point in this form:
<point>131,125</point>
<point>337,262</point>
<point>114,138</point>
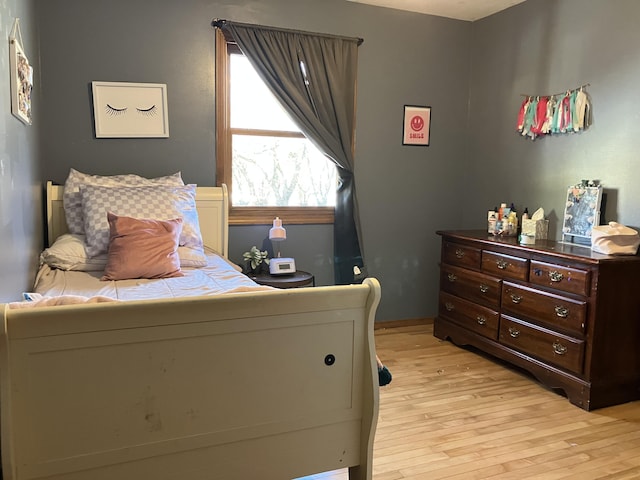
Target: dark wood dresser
<point>567,315</point>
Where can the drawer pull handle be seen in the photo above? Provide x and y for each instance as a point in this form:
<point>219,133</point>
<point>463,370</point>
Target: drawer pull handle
<point>555,276</point>
<point>449,306</point>
<point>481,320</point>
<point>484,288</point>
<point>514,332</point>
<point>459,253</point>
<point>502,264</point>
<point>516,298</point>
<point>452,278</point>
<point>562,312</point>
<point>559,349</point>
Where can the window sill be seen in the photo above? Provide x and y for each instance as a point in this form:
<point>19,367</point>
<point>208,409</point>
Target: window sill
<point>289,215</point>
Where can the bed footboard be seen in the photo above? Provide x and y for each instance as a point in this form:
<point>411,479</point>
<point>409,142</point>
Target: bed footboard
<point>268,385</point>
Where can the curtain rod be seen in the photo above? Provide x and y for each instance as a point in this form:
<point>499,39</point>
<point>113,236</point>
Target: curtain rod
<point>220,23</point>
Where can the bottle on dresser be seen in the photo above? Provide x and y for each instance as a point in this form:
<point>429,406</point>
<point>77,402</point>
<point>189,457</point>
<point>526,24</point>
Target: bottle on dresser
<point>503,220</point>
<point>512,222</point>
<point>492,219</point>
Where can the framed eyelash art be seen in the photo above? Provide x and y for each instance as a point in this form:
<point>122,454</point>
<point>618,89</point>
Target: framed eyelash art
<point>130,110</point>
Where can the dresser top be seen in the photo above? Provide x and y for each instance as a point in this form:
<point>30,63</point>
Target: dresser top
<point>545,247</point>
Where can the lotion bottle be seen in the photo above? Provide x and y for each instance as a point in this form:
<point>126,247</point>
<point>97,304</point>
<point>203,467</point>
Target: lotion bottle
<point>513,223</point>
<point>492,219</point>
<point>501,210</point>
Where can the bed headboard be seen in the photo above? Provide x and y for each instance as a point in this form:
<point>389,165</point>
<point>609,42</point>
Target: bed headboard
<point>213,214</point>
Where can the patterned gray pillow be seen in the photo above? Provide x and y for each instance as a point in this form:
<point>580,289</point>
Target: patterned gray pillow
<point>150,202</point>
<point>73,203</point>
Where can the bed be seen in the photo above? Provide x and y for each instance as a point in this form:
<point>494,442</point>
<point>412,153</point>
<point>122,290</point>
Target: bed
<point>264,384</point>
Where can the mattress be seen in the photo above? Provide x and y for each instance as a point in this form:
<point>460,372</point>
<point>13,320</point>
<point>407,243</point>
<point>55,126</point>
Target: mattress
<point>219,276</point>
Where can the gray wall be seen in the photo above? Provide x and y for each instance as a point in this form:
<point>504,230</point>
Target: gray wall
<point>544,47</point>
<point>20,178</point>
<point>471,74</point>
<point>405,59</point>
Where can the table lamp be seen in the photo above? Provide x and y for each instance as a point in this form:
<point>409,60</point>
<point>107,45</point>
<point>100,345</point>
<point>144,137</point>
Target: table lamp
<point>278,265</point>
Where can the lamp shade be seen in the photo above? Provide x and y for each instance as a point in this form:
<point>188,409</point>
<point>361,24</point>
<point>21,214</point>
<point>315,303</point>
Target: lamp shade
<point>277,232</point>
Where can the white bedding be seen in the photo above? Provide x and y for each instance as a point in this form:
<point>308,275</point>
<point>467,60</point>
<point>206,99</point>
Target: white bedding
<point>218,277</point>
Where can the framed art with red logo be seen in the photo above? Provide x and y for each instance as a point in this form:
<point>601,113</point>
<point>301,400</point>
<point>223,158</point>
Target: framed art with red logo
<point>417,125</point>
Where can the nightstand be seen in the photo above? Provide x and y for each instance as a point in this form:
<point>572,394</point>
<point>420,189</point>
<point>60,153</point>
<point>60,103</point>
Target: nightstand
<point>287,280</point>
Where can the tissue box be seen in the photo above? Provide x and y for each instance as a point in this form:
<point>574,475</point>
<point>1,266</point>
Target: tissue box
<point>539,228</point>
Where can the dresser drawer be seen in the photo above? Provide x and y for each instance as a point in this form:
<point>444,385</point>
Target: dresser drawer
<point>462,255</point>
<point>505,265</point>
<point>546,345</point>
<point>567,279</point>
<point>481,320</point>
<point>555,311</point>
<point>473,286</point>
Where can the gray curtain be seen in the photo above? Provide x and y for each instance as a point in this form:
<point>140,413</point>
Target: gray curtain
<point>314,77</point>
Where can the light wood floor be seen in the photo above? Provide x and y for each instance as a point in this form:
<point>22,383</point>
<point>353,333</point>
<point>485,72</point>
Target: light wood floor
<point>450,413</point>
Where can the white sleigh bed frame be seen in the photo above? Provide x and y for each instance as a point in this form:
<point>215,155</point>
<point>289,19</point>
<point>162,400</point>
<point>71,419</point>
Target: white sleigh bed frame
<point>264,385</point>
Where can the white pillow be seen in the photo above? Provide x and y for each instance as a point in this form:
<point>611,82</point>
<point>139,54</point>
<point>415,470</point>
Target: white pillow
<point>68,253</point>
<point>72,201</point>
<point>192,257</point>
<point>145,202</point>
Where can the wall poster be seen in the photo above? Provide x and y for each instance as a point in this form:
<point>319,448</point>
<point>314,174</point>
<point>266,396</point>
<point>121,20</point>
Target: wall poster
<point>128,110</point>
<point>21,77</point>
<point>417,125</point>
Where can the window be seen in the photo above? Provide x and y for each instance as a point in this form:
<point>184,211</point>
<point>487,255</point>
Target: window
<point>271,169</point>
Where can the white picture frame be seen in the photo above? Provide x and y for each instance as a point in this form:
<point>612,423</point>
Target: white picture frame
<point>130,110</point>
<point>582,210</point>
<point>21,82</point>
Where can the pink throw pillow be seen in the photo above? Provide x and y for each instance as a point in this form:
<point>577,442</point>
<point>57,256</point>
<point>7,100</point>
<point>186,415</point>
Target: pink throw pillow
<point>142,248</point>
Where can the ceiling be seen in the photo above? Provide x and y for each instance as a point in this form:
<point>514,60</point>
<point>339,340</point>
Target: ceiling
<point>469,10</point>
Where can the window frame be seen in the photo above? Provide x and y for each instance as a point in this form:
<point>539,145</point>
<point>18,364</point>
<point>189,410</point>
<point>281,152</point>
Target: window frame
<point>248,215</point>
